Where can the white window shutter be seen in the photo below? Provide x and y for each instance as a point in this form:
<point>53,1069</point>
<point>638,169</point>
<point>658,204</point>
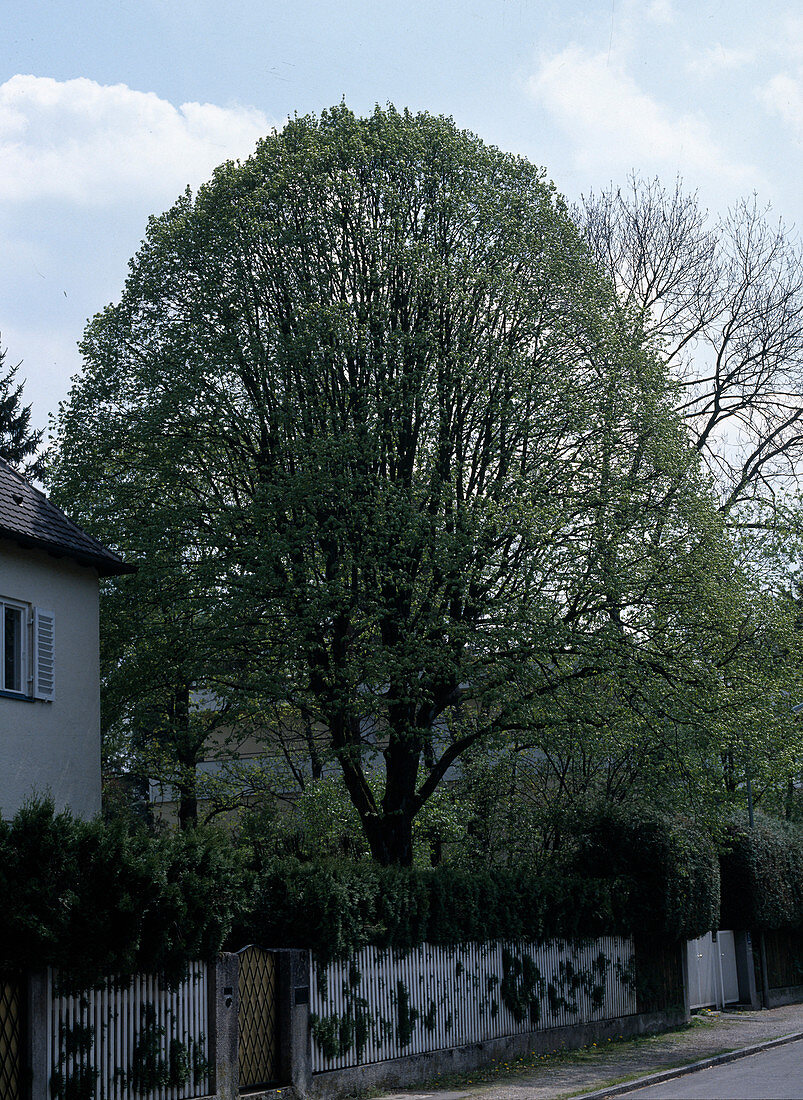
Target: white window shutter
<point>44,654</point>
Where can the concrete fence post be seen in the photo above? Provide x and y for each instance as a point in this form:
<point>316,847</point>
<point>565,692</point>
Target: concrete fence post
<point>224,1006</point>
<point>746,969</point>
<point>295,1050</point>
<point>686,978</point>
<point>37,1018</point>
<point>765,974</point>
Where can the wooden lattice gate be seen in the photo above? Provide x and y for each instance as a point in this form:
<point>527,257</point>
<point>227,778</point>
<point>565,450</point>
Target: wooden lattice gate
<point>259,1019</point>
<point>12,1030</point>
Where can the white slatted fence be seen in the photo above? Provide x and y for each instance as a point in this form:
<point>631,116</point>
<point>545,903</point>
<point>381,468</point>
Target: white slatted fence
<point>376,1006</point>
<point>132,1037</point>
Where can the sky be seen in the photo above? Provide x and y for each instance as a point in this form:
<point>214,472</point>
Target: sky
<point>109,109</point>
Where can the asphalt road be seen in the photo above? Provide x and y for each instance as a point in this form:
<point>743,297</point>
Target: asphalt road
<point>775,1074</point>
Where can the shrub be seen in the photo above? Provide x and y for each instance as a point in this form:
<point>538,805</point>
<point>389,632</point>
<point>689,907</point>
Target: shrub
<point>667,868</point>
<point>337,908</point>
<point>762,875</point>
<point>95,898</point>
<point>624,873</point>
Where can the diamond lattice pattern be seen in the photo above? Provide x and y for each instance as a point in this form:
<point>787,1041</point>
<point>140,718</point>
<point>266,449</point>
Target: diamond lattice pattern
<point>259,1032</point>
<point>10,1039</point>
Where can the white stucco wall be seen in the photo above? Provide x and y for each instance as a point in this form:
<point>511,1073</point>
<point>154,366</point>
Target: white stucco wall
<point>54,748</point>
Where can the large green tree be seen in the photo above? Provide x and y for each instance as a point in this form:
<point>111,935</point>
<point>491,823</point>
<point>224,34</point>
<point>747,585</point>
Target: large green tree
<point>426,477</point>
<point>722,299</point>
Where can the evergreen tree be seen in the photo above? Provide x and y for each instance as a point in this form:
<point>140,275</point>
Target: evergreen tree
<point>18,443</point>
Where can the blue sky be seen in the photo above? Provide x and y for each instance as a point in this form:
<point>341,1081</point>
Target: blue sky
<point>109,109</point>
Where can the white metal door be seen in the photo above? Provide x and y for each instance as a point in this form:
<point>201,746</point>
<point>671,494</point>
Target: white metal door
<point>727,958</point>
<point>713,978</point>
<point>703,972</point>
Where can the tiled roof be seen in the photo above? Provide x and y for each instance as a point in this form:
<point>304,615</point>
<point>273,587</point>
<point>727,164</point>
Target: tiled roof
<point>28,518</point>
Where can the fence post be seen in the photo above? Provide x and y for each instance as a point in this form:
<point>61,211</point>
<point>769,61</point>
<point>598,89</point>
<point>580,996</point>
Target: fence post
<point>224,1005</point>
<point>295,1048</point>
<point>37,1021</point>
<point>684,966</point>
<point>746,970</point>
<point>765,976</point>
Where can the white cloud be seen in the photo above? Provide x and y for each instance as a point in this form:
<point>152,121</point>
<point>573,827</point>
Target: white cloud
<point>718,59</point>
<point>99,144</point>
<point>616,126</point>
<point>783,96</point>
<point>46,361</point>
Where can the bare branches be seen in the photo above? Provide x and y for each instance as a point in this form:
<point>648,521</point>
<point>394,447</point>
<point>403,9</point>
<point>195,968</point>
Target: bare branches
<point>723,304</point>
<point>661,256</point>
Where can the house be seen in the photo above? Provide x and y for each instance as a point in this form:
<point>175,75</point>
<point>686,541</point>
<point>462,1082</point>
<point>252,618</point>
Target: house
<point>49,660</point>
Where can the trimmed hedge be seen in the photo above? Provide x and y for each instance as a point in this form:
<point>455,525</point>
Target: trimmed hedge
<point>669,869</point>
<point>762,875</point>
<point>337,908</point>
<point>624,874</point>
<point>93,898</point>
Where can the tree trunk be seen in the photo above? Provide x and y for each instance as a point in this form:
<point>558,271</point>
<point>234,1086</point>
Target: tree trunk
<point>390,838</point>
<point>187,810</point>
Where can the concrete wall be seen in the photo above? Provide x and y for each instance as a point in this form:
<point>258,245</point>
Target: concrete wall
<point>787,995</point>
<point>417,1069</point>
<point>54,748</point>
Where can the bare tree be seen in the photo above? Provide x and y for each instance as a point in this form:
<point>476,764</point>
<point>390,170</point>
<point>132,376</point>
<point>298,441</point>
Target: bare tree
<point>723,302</point>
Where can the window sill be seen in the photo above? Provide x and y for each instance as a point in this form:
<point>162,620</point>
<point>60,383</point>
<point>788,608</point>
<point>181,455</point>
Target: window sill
<point>16,695</point>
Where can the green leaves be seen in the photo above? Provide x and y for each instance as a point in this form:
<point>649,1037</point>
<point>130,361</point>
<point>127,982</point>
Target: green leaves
<point>95,898</point>
<point>670,868</point>
<point>762,875</point>
<point>393,458</point>
<point>624,874</point>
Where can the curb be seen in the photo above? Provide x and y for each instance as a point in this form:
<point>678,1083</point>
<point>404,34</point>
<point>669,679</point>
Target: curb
<point>681,1071</point>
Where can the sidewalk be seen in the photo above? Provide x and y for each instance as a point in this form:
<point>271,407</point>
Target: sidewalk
<point>575,1073</point>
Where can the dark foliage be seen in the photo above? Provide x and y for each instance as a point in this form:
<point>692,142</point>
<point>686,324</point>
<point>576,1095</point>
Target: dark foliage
<point>95,898</point>
<point>762,875</point>
<point>18,442</point>
<point>667,867</point>
<point>337,908</point>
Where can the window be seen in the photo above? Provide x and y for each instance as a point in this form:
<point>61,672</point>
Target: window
<point>14,650</point>
<point>27,650</point>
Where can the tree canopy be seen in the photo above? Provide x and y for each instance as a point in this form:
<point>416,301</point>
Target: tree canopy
<point>415,471</point>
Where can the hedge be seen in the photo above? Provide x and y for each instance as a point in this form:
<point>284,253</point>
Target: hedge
<point>337,908</point>
<point>762,875</point>
<point>93,898</point>
<point>622,875</point>
<point>668,866</point>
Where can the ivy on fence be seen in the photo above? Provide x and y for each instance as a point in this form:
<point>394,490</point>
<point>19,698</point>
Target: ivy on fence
<point>155,1063</point>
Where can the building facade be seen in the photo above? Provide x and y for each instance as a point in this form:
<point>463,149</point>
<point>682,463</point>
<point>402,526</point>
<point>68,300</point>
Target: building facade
<point>49,652</point>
